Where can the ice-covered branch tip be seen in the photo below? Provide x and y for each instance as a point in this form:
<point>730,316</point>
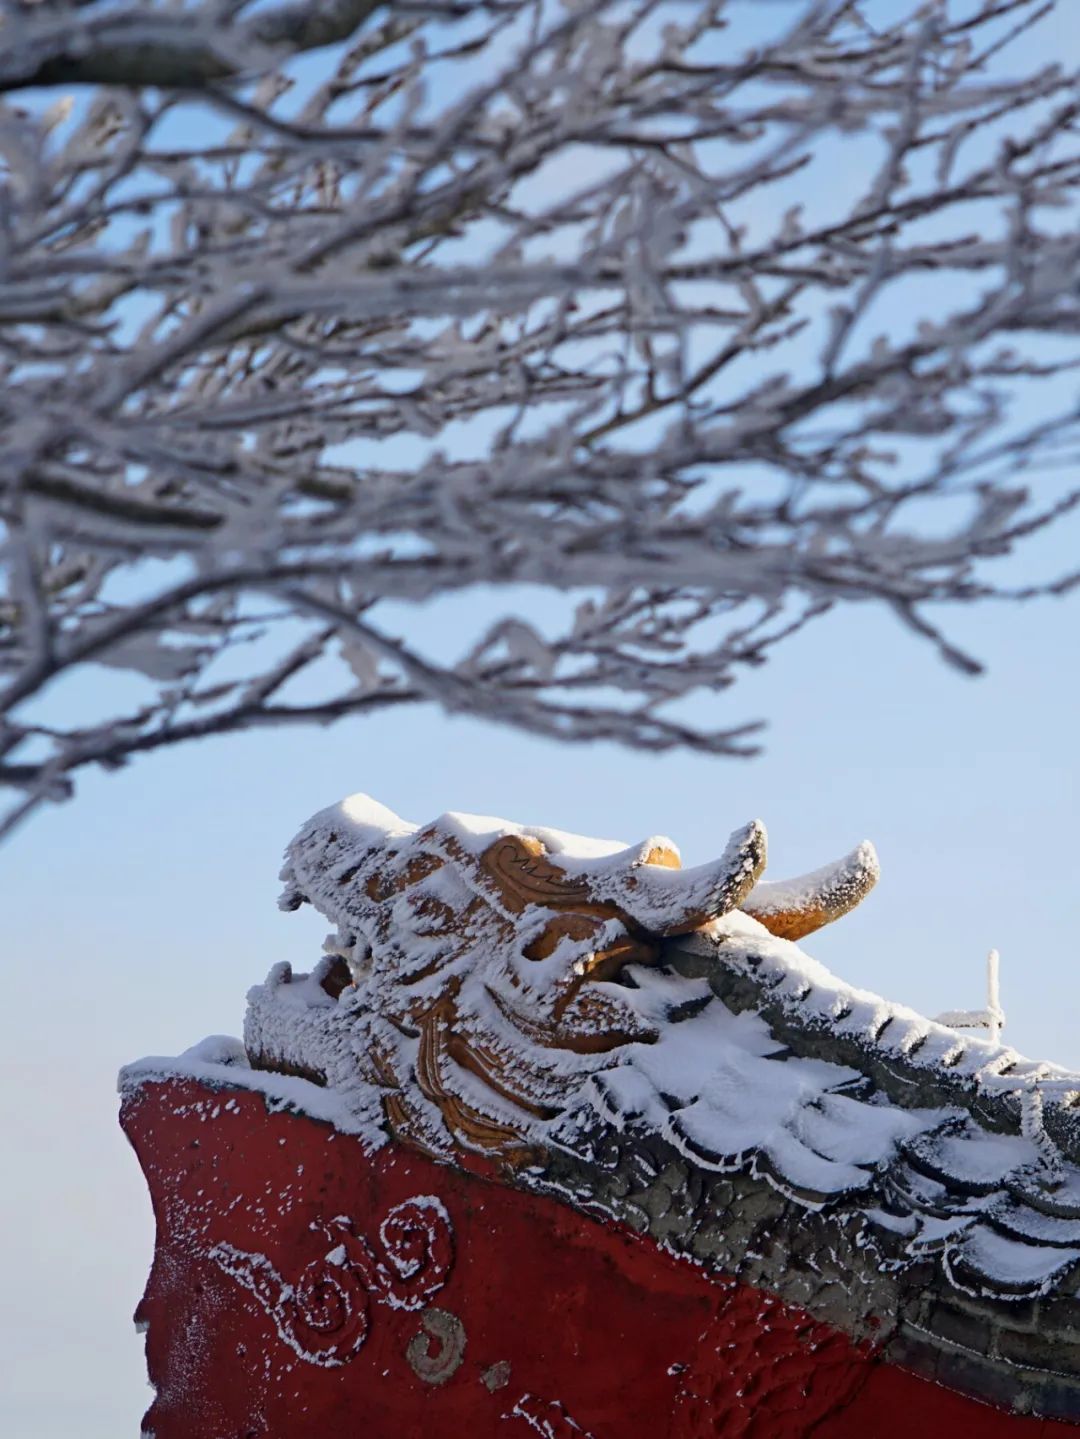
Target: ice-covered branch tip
<point>582,310</point>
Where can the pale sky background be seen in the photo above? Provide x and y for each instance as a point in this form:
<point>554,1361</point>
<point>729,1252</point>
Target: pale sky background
<point>135,918</point>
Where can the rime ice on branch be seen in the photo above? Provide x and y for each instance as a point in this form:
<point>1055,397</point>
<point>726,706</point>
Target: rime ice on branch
<point>707,316</point>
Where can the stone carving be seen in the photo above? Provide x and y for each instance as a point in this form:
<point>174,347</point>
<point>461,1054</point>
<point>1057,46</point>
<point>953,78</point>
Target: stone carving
<point>323,1315</point>
<point>482,957</point>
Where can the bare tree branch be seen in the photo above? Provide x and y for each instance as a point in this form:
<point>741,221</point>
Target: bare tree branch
<point>549,361</point>
<point>175,49</point>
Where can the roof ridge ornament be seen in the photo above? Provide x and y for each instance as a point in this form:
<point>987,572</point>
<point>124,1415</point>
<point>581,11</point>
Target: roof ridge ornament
<point>591,1022</point>
<point>488,967</point>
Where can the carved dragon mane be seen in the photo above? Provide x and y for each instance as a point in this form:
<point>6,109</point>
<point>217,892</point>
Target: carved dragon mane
<point>480,970</point>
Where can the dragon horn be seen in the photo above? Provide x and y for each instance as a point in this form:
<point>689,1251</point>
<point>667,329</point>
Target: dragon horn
<point>667,901</point>
<point>793,908</point>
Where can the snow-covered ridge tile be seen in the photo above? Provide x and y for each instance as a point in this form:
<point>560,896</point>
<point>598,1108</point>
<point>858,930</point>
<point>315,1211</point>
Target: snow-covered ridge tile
<point>814,993</point>
<point>986,1261</point>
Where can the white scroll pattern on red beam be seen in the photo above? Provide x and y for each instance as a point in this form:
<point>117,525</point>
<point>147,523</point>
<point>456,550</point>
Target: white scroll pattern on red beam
<point>323,1316</point>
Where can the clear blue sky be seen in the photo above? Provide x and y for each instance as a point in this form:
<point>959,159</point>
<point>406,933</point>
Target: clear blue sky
<point>135,919</point>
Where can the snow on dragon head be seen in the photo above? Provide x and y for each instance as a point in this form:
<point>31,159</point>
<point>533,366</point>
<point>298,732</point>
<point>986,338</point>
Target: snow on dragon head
<point>482,968</point>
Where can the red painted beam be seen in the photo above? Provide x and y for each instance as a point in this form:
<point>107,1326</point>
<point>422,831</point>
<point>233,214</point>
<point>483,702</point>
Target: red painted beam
<point>302,1288</point>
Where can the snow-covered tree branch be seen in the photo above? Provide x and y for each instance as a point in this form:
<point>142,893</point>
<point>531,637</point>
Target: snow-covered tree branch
<point>658,328</point>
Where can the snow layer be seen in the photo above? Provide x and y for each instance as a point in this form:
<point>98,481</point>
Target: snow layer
<point>221,1062</point>
<point>468,1037</point>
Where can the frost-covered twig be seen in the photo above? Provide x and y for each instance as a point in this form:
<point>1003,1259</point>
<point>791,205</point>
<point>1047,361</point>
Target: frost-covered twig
<point>575,321</point>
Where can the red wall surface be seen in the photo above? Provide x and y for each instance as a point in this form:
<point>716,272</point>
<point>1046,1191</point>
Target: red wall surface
<point>300,1288</point>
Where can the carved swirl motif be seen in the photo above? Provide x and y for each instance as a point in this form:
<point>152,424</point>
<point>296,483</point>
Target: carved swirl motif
<point>323,1317</point>
<point>527,876</point>
<point>419,1246</point>
<point>435,1365</point>
<point>330,1302</point>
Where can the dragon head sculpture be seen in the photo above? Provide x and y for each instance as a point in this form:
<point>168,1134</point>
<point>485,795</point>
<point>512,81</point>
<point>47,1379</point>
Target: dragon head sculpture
<point>478,969</point>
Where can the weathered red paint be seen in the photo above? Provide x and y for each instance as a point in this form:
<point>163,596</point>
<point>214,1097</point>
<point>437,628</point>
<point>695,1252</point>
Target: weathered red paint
<point>569,1326</point>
